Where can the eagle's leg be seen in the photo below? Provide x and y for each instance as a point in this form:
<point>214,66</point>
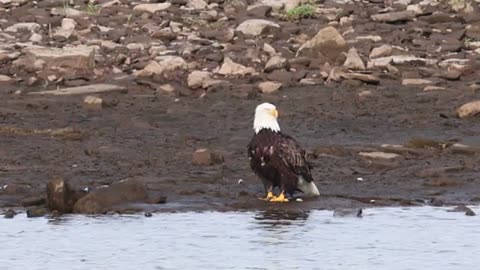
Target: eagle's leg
<point>280,198</point>
<point>269,194</point>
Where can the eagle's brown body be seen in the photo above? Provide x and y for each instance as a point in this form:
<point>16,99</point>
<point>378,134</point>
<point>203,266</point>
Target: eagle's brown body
<point>279,161</point>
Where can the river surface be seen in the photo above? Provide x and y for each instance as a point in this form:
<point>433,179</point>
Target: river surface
<point>384,238</point>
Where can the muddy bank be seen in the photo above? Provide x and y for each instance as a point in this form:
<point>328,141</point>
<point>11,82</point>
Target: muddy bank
<point>427,154</point>
<point>383,95</point>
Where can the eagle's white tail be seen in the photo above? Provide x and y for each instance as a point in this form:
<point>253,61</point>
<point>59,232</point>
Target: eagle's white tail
<point>308,188</point>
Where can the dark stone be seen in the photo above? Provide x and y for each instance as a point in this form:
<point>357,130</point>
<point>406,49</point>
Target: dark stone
<point>148,214</point>
<point>33,201</point>
<point>157,200</point>
<point>10,213</point>
<point>36,212</point>
<point>103,199</point>
<point>281,76</point>
<point>260,11</point>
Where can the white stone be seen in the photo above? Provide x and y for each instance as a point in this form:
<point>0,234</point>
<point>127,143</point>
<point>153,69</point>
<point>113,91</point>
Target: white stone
<point>380,155</point>
<point>384,50</point>
<point>255,27</point>
<point>32,27</point>
<point>152,8</point>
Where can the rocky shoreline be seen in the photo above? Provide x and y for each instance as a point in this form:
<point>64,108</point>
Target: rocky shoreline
<point>99,91</point>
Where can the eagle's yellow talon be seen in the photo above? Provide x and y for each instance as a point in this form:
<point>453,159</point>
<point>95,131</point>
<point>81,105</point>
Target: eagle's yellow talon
<point>269,196</point>
<point>279,198</point>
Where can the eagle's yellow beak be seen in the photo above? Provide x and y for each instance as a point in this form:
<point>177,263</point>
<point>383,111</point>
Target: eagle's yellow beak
<point>275,113</point>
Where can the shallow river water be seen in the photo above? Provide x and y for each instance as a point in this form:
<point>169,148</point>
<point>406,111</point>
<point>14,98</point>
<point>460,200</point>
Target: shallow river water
<point>384,238</point>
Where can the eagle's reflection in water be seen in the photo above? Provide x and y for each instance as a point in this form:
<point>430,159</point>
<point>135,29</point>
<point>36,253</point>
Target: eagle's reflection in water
<point>275,218</point>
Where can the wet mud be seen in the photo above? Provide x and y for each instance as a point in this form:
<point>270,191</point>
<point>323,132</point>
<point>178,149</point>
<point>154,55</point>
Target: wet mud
<point>152,138</point>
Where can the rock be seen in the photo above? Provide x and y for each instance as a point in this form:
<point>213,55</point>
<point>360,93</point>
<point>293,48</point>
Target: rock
<point>166,88</point>
<point>348,212</point>
<point>68,12</point>
<point>92,103</point>
<point>328,42</point>
<point>353,60</point>
<point>165,64</point>
<point>148,214</point>
<point>384,50</point>
<point>462,208</point>
<point>399,16</point>
<point>469,109</point>
<point>81,90</point>
<point>105,198</point>
<point>5,79</point>
<point>197,4</point>
<point>67,29</point>
<point>65,61</point>
<point>61,196</point>
<point>276,62</point>
<point>415,82</point>
<point>10,213</point>
<point>152,8</point>
<point>36,212</point>
<point>399,59</point>
<point>269,87</point>
<point>256,27</point>
<point>380,155</point>
<point>433,88</point>
<point>271,51</point>
<point>197,78</point>
<point>206,157</point>
<point>367,78</point>
<point>311,81</point>
<point>230,68</point>
<point>258,11</point>
<point>33,201</point>
<point>26,26</point>
<point>451,75</point>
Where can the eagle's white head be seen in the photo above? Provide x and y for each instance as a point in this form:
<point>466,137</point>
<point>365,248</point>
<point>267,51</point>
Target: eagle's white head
<point>266,115</point>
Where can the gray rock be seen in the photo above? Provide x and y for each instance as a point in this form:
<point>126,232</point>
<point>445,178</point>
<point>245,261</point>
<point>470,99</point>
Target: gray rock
<point>392,17</point>
<point>81,90</point>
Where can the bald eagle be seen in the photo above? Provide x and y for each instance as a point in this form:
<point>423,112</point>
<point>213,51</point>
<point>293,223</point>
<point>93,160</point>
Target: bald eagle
<point>277,159</point>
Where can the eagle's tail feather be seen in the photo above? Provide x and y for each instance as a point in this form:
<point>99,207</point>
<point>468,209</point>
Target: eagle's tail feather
<point>308,188</point>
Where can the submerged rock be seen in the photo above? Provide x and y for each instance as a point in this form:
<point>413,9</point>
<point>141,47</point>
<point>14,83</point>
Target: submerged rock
<point>10,213</point>
<point>348,212</point>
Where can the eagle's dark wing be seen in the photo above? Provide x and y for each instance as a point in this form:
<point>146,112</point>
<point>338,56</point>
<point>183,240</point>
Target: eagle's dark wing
<point>293,156</point>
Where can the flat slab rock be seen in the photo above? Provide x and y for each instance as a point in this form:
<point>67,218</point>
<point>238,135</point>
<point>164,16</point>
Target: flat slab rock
<point>88,89</point>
